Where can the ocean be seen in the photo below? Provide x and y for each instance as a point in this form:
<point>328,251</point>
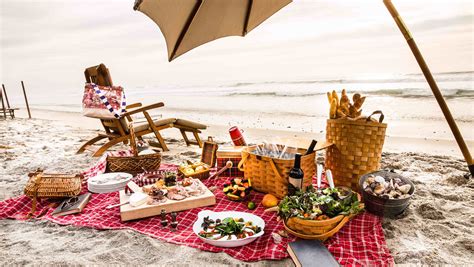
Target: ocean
<point>300,105</point>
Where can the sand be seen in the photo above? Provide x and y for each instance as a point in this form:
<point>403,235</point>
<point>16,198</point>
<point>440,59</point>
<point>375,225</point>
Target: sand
<point>437,228</point>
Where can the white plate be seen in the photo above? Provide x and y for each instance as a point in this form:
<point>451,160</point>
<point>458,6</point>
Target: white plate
<point>108,182</point>
<point>256,220</point>
<point>110,179</point>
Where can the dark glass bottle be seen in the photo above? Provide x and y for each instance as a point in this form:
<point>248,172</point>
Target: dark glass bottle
<point>295,181</point>
<point>311,147</point>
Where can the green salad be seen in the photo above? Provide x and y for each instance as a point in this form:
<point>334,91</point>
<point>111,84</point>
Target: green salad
<point>319,205</point>
<point>228,227</point>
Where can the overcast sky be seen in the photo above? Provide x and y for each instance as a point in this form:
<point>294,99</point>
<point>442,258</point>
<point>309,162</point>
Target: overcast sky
<point>48,43</point>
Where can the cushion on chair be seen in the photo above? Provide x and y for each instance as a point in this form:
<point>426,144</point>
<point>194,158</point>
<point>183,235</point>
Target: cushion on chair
<point>141,127</point>
<point>164,121</point>
<point>144,126</point>
<point>190,124</point>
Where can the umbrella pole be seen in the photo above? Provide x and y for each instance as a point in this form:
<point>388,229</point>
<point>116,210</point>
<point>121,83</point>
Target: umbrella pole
<point>431,81</point>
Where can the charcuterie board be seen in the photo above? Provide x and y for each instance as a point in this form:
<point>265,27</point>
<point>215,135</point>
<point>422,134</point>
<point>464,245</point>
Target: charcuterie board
<point>127,212</point>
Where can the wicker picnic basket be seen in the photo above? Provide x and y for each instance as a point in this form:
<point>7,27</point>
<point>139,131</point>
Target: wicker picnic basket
<point>270,175</point>
<point>357,148</point>
<point>134,164</point>
<point>42,185</point>
<point>321,230</point>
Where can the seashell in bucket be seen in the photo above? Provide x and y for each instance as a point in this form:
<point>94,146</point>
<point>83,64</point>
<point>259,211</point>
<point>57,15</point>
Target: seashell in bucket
<point>388,187</point>
<point>366,184</point>
<point>394,194</point>
<point>379,189</point>
<point>397,181</point>
<point>369,190</point>
<point>404,188</point>
<point>370,180</point>
<point>380,179</point>
<point>373,185</point>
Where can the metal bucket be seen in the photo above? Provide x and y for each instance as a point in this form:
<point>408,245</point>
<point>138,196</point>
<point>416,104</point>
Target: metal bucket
<point>381,206</point>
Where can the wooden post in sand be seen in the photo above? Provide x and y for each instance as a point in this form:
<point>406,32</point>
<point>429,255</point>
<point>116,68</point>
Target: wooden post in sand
<point>6,96</point>
<point>26,99</point>
<point>431,81</point>
<point>3,106</point>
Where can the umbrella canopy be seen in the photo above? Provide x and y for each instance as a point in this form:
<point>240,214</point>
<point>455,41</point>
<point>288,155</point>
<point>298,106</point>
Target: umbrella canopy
<point>187,24</point>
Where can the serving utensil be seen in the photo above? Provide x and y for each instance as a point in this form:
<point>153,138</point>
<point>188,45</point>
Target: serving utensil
<point>319,175</point>
<point>330,179</point>
<point>227,166</point>
<point>117,205</point>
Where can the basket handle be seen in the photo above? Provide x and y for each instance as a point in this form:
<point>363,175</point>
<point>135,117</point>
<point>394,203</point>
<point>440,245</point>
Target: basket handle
<point>242,161</point>
<point>133,142</point>
<point>275,170</point>
<point>377,112</point>
<point>338,227</point>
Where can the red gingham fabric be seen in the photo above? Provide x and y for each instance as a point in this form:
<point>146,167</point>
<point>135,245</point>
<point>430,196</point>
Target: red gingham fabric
<point>231,172</point>
<point>360,242</point>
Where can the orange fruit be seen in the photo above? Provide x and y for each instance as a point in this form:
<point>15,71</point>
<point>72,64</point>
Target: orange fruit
<point>269,201</point>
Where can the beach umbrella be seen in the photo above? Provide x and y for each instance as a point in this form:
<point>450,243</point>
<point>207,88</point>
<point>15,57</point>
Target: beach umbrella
<point>187,24</point>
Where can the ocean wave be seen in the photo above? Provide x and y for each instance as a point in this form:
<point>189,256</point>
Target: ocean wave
<point>455,76</point>
<point>404,93</point>
<point>444,73</point>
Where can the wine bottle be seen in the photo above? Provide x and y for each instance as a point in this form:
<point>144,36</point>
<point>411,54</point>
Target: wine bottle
<point>295,181</point>
<point>311,147</point>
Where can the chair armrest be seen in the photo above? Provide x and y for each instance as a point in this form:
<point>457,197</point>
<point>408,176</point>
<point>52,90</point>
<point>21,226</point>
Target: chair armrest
<point>152,106</point>
<point>134,105</point>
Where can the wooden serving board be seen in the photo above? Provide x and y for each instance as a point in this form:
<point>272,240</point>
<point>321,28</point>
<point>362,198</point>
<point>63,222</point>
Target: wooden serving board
<point>127,212</point>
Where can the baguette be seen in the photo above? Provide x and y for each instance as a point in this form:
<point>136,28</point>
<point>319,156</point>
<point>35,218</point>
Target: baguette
<point>334,96</point>
<point>359,102</point>
<point>333,109</point>
<point>329,97</point>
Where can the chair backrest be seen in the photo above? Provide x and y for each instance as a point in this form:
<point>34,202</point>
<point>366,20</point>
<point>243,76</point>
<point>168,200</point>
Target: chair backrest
<point>100,75</point>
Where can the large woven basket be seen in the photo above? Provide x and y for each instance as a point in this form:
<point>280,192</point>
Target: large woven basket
<point>270,175</point>
<point>134,164</point>
<point>44,185</point>
<point>357,149</point>
<point>313,229</point>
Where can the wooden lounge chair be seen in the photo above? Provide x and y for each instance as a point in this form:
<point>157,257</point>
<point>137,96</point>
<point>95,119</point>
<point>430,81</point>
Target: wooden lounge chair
<point>117,131</point>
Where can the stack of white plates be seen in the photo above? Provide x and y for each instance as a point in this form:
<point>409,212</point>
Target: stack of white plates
<point>108,182</point>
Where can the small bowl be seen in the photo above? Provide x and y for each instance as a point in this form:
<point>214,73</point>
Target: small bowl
<point>256,220</point>
<point>381,206</point>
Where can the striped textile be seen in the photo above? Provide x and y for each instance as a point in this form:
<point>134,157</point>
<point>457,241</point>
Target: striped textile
<point>109,107</point>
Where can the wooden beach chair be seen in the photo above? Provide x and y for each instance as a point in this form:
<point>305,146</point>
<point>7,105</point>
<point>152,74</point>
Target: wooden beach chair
<point>117,131</point>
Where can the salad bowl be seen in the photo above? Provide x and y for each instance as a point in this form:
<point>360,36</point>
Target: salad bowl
<point>234,241</point>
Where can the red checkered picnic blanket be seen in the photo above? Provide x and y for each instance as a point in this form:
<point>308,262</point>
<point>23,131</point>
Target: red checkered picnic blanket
<point>359,242</point>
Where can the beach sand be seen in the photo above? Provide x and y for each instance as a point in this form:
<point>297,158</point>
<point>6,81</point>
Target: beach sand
<point>437,228</point>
